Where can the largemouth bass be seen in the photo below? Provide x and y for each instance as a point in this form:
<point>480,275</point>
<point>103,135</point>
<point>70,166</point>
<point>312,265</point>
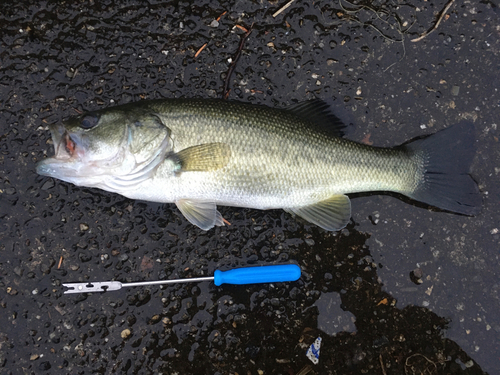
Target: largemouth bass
<point>200,153</point>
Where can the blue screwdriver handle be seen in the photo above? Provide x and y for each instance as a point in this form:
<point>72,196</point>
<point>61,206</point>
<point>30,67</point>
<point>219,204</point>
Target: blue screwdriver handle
<point>255,275</point>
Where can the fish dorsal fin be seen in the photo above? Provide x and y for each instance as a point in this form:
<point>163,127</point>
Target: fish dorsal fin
<point>331,214</point>
<point>319,113</point>
<point>203,158</point>
<point>203,214</point>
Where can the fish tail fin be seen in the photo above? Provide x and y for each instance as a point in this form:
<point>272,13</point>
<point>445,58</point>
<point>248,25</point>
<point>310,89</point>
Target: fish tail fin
<point>445,159</point>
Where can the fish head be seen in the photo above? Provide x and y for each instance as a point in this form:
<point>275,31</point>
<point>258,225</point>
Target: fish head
<point>107,149</point>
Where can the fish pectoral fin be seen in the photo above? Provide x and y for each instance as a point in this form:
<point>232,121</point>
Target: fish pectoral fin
<point>203,158</point>
<point>203,214</point>
<point>331,214</point>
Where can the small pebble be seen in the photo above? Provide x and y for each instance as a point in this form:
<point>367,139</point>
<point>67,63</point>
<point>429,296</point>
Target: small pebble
<point>418,273</point>
<point>125,333</point>
<point>416,276</point>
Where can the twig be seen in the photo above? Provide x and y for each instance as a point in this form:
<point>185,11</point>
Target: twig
<point>242,28</point>
<point>199,51</point>
<point>401,59</point>
<point>60,262</point>
<point>382,364</point>
<point>226,222</point>
<point>411,365</point>
<point>283,8</point>
<point>443,12</point>
<point>376,13</point>
<point>226,91</point>
<point>218,18</point>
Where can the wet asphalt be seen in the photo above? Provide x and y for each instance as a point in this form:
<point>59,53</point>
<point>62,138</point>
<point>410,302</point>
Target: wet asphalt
<point>404,289</point>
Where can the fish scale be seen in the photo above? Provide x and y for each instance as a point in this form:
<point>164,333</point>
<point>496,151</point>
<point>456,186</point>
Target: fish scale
<point>200,153</point>
<point>313,166</point>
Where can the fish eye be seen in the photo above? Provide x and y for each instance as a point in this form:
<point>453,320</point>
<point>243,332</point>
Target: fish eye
<point>89,121</point>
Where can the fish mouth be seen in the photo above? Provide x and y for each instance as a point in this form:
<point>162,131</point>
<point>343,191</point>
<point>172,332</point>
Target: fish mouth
<point>65,145</point>
<point>67,153</point>
<point>65,148</point>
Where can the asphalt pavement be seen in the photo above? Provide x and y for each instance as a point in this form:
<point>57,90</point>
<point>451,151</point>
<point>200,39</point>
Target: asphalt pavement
<point>404,289</point>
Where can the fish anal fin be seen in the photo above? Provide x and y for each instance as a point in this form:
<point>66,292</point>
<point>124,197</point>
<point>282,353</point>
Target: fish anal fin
<point>331,214</point>
<point>203,214</point>
<point>203,158</point>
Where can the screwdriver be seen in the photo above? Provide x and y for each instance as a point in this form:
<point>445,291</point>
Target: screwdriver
<point>236,276</point>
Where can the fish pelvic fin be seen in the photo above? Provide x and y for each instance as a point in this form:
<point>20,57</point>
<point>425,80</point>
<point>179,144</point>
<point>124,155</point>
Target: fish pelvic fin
<point>203,214</point>
<point>331,214</point>
<point>445,159</point>
<point>202,158</point>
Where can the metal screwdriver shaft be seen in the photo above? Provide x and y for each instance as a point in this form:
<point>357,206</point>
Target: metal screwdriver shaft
<point>237,276</point>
